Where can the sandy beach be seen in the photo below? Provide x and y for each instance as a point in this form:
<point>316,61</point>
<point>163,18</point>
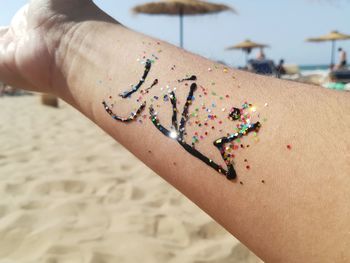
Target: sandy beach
<point>69,193</point>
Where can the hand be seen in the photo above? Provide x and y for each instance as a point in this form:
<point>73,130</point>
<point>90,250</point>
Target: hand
<point>28,47</point>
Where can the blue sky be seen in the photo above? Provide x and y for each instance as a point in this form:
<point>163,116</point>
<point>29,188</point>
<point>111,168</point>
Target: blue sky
<point>283,24</point>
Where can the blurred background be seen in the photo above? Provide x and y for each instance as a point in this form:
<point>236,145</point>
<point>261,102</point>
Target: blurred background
<point>284,25</point>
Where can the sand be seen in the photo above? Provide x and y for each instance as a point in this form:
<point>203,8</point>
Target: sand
<point>69,193</point>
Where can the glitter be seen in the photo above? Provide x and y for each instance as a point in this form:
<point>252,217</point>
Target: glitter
<point>173,135</point>
<point>210,69</point>
<point>244,127</point>
<point>194,139</point>
<point>225,70</point>
<point>266,104</point>
<point>223,109</point>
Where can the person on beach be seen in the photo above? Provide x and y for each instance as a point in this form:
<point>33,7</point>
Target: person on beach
<point>280,68</point>
<point>342,58</point>
<point>284,146</point>
<point>261,54</point>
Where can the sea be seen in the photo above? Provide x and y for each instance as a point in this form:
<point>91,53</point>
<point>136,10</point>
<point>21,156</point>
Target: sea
<point>306,70</point>
<point>314,67</point>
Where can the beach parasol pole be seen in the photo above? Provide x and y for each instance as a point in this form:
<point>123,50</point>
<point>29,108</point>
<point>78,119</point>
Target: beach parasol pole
<point>333,52</point>
<point>181,27</point>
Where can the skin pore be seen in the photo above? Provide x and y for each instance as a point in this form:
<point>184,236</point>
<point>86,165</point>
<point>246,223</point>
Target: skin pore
<point>289,201</point>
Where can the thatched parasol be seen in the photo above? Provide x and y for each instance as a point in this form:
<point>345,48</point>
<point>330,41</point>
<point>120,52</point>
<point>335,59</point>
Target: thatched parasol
<point>247,47</point>
<point>180,8</point>
<point>332,36</point>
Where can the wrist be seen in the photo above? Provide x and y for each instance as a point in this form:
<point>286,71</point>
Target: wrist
<point>77,45</point>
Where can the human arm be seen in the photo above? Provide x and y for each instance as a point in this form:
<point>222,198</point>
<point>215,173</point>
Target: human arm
<point>299,213</point>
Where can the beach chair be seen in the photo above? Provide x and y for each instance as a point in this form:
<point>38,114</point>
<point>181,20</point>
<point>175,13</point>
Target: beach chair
<point>262,67</point>
<point>340,76</point>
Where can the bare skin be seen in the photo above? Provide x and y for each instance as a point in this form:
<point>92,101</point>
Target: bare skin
<point>292,205</point>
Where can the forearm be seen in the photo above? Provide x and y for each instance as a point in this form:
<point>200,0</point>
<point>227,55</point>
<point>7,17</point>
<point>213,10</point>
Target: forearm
<point>288,203</point>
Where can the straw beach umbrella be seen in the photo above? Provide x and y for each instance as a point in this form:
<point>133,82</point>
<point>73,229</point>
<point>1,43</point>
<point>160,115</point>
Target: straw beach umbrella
<point>180,8</point>
<point>333,37</point>
<point>247,47</point>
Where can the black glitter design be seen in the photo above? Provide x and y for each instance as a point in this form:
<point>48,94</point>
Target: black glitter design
<point>127,94</point>
<point>178,134</point>
<point>220,144</point>
<point>192,78</point>
<point>155,82</point>
<point>132,116</point>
